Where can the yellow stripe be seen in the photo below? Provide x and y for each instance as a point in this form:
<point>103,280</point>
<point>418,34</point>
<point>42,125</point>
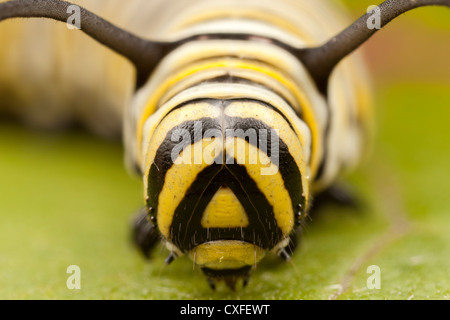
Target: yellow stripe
<point>271,185</point>
<point>294,140</point>
<point>179,178</point>
<point>193,112</point>
<point>226,254</point>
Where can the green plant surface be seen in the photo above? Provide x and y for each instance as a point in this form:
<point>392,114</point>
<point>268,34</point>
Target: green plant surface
<point>66,199</point>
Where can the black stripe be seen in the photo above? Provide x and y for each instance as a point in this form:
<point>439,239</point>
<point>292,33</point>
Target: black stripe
<point>223,103</point>
<point>186,231</point>
<point>267,105</point>
<point>234,79</point>
<point>215,102</point>
<point>163,157</point>
<point>289,170</point>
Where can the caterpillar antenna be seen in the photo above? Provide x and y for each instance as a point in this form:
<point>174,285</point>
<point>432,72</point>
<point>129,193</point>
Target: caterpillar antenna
<point>321,61</point>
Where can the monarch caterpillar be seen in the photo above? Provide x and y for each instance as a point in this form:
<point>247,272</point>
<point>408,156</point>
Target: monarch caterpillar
<point>215,68</point>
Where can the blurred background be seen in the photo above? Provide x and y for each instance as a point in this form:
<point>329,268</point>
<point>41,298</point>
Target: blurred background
<point>66,199</point>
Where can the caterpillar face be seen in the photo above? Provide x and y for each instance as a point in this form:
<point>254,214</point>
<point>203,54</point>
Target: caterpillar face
<point>223,183</point>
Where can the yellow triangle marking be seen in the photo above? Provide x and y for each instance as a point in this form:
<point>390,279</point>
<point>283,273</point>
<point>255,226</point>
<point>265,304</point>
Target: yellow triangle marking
<point>224,211</point>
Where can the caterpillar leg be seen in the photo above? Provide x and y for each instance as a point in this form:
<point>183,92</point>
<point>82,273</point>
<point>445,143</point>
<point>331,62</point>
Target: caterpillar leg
<point>145,233</point>
<point>338,194</point>
<point>294,242</point>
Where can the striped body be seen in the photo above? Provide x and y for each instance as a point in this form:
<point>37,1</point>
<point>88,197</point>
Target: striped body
<point>210,106</point>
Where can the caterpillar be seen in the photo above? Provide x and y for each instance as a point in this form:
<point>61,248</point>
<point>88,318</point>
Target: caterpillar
<point>234,114</point>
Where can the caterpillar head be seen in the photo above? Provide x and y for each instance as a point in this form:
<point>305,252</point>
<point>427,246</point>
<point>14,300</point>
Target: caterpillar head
<point>224,184</point>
